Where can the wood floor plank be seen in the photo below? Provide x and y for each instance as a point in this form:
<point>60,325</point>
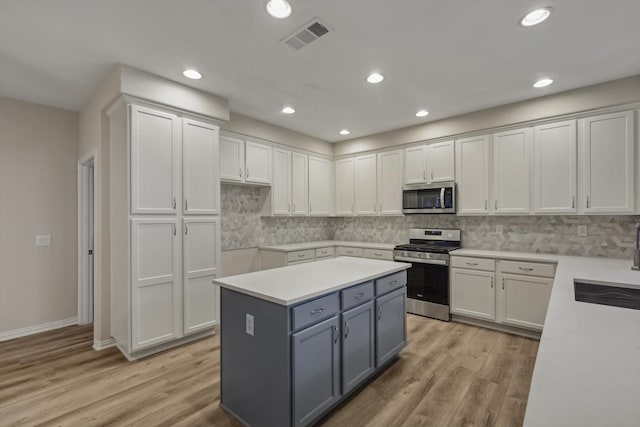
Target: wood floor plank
<point>449,374</point>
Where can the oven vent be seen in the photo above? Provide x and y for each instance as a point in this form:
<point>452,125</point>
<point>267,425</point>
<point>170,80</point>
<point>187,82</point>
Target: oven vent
<point>309,33</point>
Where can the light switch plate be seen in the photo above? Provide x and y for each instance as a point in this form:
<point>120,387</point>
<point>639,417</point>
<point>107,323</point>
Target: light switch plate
<point>249,324</point>
<point>43,240</point>
<point>582,230</point>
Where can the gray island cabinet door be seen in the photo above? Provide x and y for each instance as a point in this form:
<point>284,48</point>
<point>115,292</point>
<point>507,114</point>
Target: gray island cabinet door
<point>391,331</point>
<point>358,345</point>
<point>316,370</point>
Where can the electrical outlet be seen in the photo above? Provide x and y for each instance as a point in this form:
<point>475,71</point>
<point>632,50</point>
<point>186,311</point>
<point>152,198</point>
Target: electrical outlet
<point>582,230</point>
<point>249,324</point>
<point>499,229</point>
<point>44,240</point>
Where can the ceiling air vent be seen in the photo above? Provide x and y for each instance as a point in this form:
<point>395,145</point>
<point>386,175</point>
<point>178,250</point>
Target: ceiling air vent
<point>310,32</point>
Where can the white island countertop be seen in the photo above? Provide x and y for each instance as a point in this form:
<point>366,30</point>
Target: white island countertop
<point>587,370</point>
<point>297,283</point>
<point>290,247</point>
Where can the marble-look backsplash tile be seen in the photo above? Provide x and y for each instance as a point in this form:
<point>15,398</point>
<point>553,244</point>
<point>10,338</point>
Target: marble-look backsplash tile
<point>607,236</point>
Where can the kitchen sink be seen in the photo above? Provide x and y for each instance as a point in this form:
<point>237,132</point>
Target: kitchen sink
<point>607,293</point>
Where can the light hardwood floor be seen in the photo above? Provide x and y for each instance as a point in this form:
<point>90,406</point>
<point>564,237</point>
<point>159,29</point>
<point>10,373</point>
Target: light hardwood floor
<point>450,374</point>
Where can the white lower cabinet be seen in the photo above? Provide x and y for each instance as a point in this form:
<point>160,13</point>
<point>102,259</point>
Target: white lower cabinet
<point>472,293</point>
<point>514,293</point>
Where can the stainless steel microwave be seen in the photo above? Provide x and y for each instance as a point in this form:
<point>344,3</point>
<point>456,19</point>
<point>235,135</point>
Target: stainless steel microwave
<point>429,198</point>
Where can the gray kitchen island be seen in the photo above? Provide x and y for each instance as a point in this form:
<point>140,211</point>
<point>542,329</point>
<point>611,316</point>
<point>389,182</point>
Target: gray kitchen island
<point>296,341</point>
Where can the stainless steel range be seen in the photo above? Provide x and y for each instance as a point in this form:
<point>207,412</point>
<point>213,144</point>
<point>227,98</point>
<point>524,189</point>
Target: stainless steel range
<point>428,278</point>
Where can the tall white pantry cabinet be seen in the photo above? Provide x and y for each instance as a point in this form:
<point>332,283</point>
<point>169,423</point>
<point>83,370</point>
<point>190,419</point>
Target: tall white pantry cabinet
<point>165,227</point>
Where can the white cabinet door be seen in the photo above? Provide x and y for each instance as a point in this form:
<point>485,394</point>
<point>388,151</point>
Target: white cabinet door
<point>231,159</point>
<point>554,173</point>
<point>201,262</point>
<point>511,171</point>
<point>155,282</point>
<point>320,186</point>
<point>281,187</point>
<point>257,163</point>
<point>523,300</point>
<point>473,293</point>
<point>299,184</point>
<point>366,201</point>
<point>441,162</point>
<point>155,166</point>
<point>390,183</point>
<point>200,183</point>
<point>415,165</point>
<point>607,153</point>
<point>345,187</point>
<point>472,177</point>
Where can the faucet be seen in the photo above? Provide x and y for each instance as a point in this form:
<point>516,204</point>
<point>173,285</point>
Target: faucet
<point>636,252</point>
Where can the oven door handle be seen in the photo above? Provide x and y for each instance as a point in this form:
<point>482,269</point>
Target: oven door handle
<point>422,261</point>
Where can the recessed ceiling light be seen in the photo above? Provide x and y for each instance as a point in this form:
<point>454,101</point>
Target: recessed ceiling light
<point>278,8</point>
<point>344,132</point>
<point>422,113</point>
<point>535,17</point>
<point>375,78</point>
<point>542,83</point>
<point>288,110</point>
<point>192,74</point>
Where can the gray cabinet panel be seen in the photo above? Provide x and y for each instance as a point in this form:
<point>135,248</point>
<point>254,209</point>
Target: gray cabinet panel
<point>393,281</point>
<point>358,345</point>
<point>316,370</point>
<point>313,311</point>
<point>391,330</point>
<point>357,295</point>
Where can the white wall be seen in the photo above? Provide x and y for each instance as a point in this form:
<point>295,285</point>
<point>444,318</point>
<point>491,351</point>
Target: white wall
<point>616,92</point>
<point>38,170</point>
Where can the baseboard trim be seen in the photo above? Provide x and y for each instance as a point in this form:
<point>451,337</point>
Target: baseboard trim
<point>166,346</point>
<point>36,329</point>
<point>104,344</point>
<point>497,326</point>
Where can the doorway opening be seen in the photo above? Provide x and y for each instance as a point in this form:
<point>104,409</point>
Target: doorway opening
<point>86,225</point>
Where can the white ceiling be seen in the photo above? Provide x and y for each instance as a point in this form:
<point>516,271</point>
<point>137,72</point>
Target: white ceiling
<point>448,56</point>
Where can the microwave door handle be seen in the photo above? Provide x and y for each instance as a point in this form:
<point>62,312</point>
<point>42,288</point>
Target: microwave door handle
<point>442,198</point>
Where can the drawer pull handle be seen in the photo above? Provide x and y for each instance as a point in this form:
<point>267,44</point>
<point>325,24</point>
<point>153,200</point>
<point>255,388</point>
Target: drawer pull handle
<point>379,312</point>
<point>317,311</point>
<point>346,329</point>
<point>359,295</point>
<point>420,295</point>
<point>525,268</point>
<point>300,255</point>
<point>335,334</point>
<point>393,282</point>
<point>349,252</point>
<point>377,254</point>
<point>472,263</point>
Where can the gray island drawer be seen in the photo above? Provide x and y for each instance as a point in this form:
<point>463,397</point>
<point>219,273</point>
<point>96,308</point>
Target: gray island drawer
<point>393,281</point>
<point>357,295</point>
<point>311,312</point>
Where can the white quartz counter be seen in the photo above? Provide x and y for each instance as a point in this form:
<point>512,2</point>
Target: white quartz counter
<point>325,243</point>
<point>587,370</point>
<point>296,283</point>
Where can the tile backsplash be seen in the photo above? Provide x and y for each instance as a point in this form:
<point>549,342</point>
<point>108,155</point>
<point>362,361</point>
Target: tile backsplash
<point>607,236</point>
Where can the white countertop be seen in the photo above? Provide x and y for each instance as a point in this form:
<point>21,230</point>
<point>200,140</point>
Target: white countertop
<point>587,370</point>
<point>325,243</point>
<point>296,283</point>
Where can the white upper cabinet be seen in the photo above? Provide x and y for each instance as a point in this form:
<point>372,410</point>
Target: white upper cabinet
<point>345,187</point>
<point>366,199</point>
<point>390,183</point>
<point>200,188</point>
<point>441,162</point>
<point>155,154</point>
<point>281,189</point>
<point>415,165</point>
<point>431,163</point>
<point>245,161</point>
<point>607,158</point>
<point>257,163</point>
<point>472,178</point>
<point>231,159</point>
<point>555,175</point>
<point>511,171</point>
<point>299,184</point>
<point>320,186</point>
